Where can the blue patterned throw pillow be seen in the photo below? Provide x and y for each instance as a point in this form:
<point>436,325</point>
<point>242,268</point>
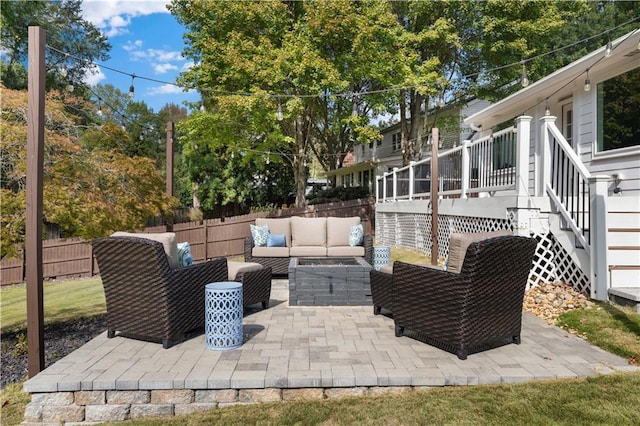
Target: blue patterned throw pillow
<point>356,235</point>
<point>259,234</point>
<point>184,254</point>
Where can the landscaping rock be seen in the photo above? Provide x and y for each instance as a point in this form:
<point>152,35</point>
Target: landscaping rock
<point>549,300</point>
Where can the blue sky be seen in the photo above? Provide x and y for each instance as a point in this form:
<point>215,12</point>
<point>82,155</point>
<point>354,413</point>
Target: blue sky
<point>146,40</point>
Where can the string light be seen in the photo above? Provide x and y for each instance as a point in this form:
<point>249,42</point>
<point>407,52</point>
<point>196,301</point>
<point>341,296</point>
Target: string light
<point>279,115</point>
<point>70,86</point>
<point>607,50</point>
<point>524,79</point>
<point>587,82</point>
<point>389,89</point>
<point>547,110</point>
<point>131,88</point>
<point>202,107</point>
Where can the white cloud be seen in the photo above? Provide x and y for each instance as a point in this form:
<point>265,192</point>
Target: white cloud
<point>187,66</point>
<point>94,76</point>
<point>164,68</point>
<point>167,89</point>
<point>113,17</point>
<point>132,45</point>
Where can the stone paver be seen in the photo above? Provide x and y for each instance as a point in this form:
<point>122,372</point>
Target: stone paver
<point>330,347</point>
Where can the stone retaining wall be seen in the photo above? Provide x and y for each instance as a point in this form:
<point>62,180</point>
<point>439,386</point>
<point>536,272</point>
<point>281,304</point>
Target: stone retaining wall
<point>86,407</point>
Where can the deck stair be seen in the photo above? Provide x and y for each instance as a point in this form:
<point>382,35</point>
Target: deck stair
<point>623,254</point>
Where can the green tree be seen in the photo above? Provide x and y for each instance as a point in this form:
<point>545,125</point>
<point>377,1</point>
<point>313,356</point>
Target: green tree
<point>73,43</point>
<point>88,193</point>
<point>321,63</point>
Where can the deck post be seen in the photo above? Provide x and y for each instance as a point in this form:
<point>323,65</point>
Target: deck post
<point>395,184</point>
<point>412,177</point>
<point>523,126</point>
<point>465,175</point>
<point>543,177</point>
<point>598,191</point>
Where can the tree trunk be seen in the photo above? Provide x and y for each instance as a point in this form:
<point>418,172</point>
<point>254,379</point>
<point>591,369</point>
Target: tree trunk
<point>299,160</point>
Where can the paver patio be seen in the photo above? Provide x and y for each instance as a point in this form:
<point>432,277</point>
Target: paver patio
<point>291,352</point>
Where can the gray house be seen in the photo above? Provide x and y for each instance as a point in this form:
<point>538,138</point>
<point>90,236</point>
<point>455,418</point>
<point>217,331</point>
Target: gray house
<point>567,172</point>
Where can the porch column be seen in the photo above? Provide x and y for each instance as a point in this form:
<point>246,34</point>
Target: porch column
<point>465,174</point>
<point>412,177</point>
<point>543,176</point>
<point>384,186</point>
<point>598,191</point>
<point>377,189</point>
<point>523,125</point>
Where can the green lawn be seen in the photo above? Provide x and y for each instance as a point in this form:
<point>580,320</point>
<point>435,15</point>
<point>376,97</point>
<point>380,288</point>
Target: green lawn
<point>63,301</point>
<point>604,400</point>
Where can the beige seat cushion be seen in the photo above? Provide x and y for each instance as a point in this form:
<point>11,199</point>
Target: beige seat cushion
<point>270,252</point>
<point>234,268</point>
<point>458,244</point>
<point>168,240</point>
<point>338,229</point>
<point>308,251</point>
<point>347,251</point>
<point>278,226</point>
<point>308,231</point>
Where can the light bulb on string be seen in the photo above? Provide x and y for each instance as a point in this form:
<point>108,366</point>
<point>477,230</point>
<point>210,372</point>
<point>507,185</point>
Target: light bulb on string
<point>279,115</point>
<point>524,79</point>
<point>547,110</point>
<point>202,107</point>
<point>587,82</point>
<point>131,88</point>
<point>70,86</point>
<point>354,109</point>
<point>608,48</point>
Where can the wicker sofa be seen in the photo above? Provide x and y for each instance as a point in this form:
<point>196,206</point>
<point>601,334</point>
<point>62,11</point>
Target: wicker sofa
<point>150,297</point>
<point>306,237</point>
<point>476,309</point>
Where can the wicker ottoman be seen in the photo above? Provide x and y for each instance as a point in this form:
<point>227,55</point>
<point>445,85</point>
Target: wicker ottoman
<point>382,289</point>
<point>255,279</point>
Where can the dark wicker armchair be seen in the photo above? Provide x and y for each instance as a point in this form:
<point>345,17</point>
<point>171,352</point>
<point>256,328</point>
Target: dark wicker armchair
<point>146,298</point>
<point>467,312</point>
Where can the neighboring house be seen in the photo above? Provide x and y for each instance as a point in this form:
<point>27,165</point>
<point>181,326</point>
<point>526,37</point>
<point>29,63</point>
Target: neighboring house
<point>367,161</point>
<point>567,172</point>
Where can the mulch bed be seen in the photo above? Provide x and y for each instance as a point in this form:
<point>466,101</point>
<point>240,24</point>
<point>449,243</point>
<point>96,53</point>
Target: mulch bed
<point>60,339</point>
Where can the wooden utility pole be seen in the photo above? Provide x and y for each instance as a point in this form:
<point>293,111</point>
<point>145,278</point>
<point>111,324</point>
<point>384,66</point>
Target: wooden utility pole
<point>434,195</point>
<point>169,152</point>
<point>35,164</point>
<point>169,155</point>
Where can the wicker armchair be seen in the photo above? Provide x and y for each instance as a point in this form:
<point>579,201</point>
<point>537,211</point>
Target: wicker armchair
<point>471,311</point>
<point>146,298</point>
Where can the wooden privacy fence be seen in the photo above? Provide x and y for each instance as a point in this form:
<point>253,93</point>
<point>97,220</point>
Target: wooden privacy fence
<point>73,257</point>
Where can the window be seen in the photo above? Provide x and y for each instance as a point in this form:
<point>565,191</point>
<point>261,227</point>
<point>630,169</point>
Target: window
<point>619,112</point>
<point>396,142</point>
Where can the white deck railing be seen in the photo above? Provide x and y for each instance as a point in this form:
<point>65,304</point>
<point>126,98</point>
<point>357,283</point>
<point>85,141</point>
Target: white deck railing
<point>499,164</point>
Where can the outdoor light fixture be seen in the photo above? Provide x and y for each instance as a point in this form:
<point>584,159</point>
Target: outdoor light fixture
<point>279,115</point>
<point>547,110</point>
<point>607,50</point>
<point>587,83</point>
<point>202,108</point>
<point>525,79</point>
<point>131,88</point>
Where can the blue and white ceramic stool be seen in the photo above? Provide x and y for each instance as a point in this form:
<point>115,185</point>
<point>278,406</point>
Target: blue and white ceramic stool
<point>381,257</point>
<point>223,315</point>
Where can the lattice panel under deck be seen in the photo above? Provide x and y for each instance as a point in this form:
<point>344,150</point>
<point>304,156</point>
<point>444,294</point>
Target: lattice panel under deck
<point>413,231</point>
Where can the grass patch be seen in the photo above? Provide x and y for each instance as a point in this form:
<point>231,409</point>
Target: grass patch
<point>409,256</point>
<point>63,301</point>
<point>603,400</point>
<point>614,328</point>
<point>13,401</point>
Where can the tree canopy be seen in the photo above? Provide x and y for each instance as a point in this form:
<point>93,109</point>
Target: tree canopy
<point>87,192</point>
<point>66,32</point>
